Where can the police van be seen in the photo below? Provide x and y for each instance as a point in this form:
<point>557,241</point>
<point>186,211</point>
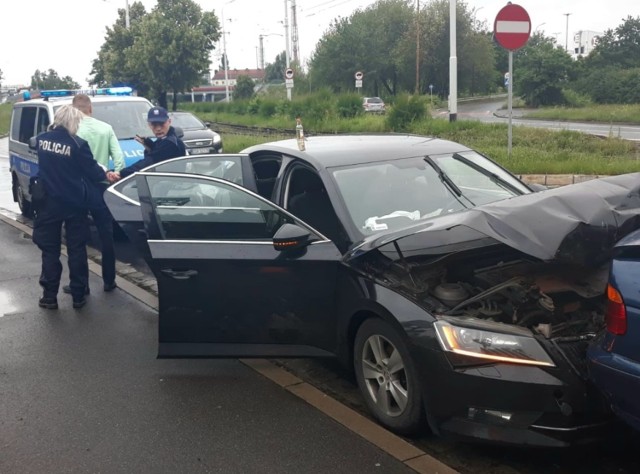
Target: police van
<point>127,114</point>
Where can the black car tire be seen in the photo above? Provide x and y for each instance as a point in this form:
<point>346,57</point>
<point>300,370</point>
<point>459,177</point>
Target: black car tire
<point>393,396</point>
<point>23,203</point>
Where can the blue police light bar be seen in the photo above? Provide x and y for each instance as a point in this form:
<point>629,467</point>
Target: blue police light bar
<point>125,90</point>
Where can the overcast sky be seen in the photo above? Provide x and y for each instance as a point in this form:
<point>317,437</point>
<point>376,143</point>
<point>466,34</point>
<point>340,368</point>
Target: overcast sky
<point>65,35</point>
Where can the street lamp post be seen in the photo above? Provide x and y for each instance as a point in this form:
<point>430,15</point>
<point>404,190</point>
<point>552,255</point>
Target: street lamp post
<point>286,38</point>
<point>566,38</point>
<point>261,46</point>
<point>224,53</point>
<point>453,64</point>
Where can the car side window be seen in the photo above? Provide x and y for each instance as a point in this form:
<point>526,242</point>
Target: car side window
<point>189,208</point>
<point>224,167</point>
<point>266,169</point>
<point>27,124</point>
<point>228,168</point>
<point>307,199</point>
<point>42,121</point>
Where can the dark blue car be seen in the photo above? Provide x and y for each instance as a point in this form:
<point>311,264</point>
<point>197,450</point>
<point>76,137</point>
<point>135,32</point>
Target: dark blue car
<point>614,357</point>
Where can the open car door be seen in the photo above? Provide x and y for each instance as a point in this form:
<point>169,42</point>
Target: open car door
<point>237,275</point>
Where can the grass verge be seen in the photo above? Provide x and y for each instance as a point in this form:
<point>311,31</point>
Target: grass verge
<point>610,113</point>
<point>534,151</point>
<point>5,118</point>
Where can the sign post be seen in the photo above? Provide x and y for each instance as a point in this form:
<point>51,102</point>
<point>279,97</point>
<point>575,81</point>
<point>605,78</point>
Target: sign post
<point>511,30</point>
<point>288,79</point>
<point>358,75</point>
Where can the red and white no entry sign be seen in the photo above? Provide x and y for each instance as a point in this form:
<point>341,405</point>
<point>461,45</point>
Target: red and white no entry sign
<point>512,27</point>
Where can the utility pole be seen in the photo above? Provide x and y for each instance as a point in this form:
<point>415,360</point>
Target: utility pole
<point>453,64</point>
<point>566,37</point>
<point>294,33</point>
<point>286,40</point>
<point>418,47</point>
<point>126,14</point>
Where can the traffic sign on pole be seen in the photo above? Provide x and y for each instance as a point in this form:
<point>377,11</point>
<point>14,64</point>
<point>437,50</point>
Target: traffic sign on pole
<point>288,73</point>
<point>358,75</point>
<point>512,27</point>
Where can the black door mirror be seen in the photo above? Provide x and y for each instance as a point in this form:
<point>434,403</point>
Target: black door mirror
<point>291,237</point>
<point>33,143</point>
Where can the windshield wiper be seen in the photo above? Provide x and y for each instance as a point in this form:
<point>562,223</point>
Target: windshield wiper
<point>444,177</point>
<point>492,176</point>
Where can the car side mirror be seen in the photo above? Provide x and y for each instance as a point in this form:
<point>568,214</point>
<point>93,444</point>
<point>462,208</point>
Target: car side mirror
<point>179,132</point>
<point>208,124</point>
<point>33,143</point>
<point>291,237</point>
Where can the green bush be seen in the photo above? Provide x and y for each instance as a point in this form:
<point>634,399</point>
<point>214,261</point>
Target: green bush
<point>406,110</point>
<point>576,99</point>
<point>349,105</point>
<point>268,107</point>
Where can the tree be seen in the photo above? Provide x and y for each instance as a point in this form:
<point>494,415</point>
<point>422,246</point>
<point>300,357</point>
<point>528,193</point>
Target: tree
<point>165,50</point>
<point>173,49</point>
<point>541,71</point>
<point>367,42</point>
<point>111,66</point>
<point>274,72</point>
<point>619,48</point>
<point>244,87</point>
<point>51,80</point>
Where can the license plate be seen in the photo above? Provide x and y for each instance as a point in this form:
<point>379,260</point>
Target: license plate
<point>198,151</point>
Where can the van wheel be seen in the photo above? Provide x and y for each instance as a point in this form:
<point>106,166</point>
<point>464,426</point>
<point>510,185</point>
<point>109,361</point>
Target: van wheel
<point>23,203</point>
<point>387,378</point>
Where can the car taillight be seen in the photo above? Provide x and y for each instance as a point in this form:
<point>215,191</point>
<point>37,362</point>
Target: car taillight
<point>616,315</point>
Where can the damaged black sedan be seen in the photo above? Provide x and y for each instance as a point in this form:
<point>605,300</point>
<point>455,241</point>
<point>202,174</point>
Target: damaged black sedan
<point>463,300</point>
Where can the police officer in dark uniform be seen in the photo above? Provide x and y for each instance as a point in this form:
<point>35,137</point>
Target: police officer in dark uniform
<point>70,176</point>
<point>166,144</point>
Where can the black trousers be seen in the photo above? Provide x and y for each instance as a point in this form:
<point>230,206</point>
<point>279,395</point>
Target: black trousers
<point>104,226</point>
<point>47,235</point>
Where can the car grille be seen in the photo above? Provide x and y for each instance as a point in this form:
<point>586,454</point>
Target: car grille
<point>575,352</point>
<point>198,143</point>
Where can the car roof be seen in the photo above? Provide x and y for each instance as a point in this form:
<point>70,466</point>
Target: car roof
<point>343,150</point>
<point>53,101</point>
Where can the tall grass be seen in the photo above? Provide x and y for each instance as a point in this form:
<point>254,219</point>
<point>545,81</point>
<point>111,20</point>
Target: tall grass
<point>622,113</point>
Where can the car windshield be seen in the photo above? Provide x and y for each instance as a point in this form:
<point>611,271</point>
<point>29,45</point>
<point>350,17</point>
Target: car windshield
<point>374,100</point>
<point>186,121</point>
<point>128,118</point>
<point>389,195</point>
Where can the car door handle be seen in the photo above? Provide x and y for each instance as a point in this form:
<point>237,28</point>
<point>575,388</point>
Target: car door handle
<point>179,274</point>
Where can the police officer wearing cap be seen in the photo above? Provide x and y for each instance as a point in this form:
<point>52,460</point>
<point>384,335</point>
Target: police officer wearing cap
<point>165,146</point>
<point>69,175</point>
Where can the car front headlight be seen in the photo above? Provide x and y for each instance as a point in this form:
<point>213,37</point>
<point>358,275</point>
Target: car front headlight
<point>491,346</point>
<point>217,138</point>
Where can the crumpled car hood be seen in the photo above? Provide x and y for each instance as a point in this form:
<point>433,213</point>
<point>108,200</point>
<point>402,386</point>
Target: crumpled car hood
<point>578,223</point>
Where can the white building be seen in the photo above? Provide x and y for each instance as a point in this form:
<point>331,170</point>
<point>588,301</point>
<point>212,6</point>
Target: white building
<point>583,43</point>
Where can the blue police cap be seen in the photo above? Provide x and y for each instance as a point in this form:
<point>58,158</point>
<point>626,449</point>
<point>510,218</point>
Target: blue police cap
<point>157,115</point>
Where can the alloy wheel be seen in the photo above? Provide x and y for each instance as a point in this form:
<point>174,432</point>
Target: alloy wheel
<point>385,375</point>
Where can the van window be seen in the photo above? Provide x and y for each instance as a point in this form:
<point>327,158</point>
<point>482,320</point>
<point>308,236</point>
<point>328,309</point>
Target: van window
<point>27,123</point>
<point>43,120</point>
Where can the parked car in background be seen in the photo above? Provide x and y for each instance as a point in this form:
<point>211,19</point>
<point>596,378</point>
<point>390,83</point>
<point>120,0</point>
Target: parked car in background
<point>461,299</point>
<point>198,137</point>
<point>373,104</point>
<point>614,358</point>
